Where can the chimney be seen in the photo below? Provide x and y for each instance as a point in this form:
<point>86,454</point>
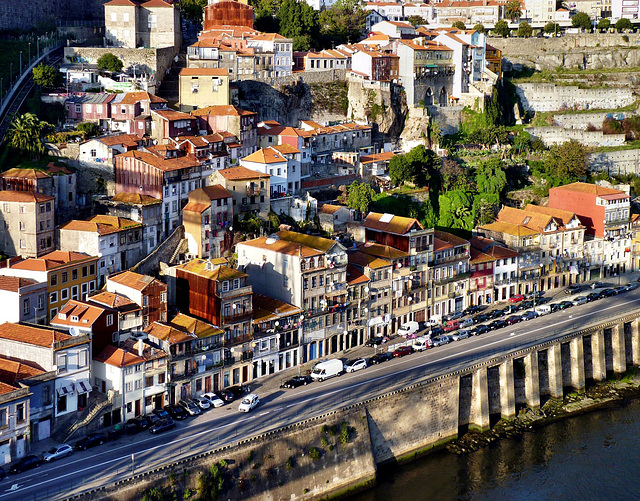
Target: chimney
<point>140,348</point>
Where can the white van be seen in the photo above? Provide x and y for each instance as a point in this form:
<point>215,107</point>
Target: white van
<point>422,343</point>
<point>543,309</point>
<point>325,370</point>
<point>408,329</point>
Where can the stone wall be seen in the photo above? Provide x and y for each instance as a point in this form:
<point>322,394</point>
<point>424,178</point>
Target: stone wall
<point>25,15</point>
<point>558,135</point>
<point>584,120</point>
<point>161,254</point>
<point>149,61</point>
<point>615,162</point>
<point>552,97</point>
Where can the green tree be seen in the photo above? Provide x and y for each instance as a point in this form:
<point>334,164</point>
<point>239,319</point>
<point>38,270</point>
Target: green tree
<point>45,75</point>
<point>110,62</point>
<point>344,21</point>
<point>456,210</point>
<point>265,15</point>
<point>359,196</point>
<point>604,24</point>
<point>566,162</point>
<point>501,28</point>
<point>419,166</point>
<point>485,207</point>
<point>193,9</point>
<point>25,133</point>
<point>581,20</point>
<point>454,176</point>
<point>550,28</point>
<point>416,21</point>
<point>490,176</point>
<point>459,25</point>
<point>90,129</point>
<point>480,28</point>
<point>524,30</point>
<point>298,21</point>
<point>512,11</point>
<point>623,24</point>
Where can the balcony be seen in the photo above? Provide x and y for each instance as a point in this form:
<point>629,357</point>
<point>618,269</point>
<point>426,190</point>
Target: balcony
<point>452,278</point>
<point>252,192</point>
<point>450,259</point>
<point>238,316</point>
<point>238,340</point>
<point>241,291</point>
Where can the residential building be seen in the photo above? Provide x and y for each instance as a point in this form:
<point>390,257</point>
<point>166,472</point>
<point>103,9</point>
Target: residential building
<point>115,240</point>
<point>375,65</point>
<point>82,318</point>
<point>389,11</point>
<point>68,275</point>
<point>494,60</point>
<point>166,123</point>
<point>449,274</point>
<point>241,123</point>
<point>282,163</point>
<point>131,112</point>
<point>195,356</point>
<point>308,272</point>
<point>15,421</point>
<point>202,87</point>
<point>470,12</point>
<point>103,149</point>
<point>375,166</point>
<point>357,307</point>
<point>481,268</point>
<point>23,300</point>
<point>142,209</point>
<point>28,221</point>
<point>627,9</point>
<point>93,107</point>
<point>505,267</point>
<point>329,59</point>
<point>274,134</point>
<point>540,12</point>
<point>334,218</point>
<point>207,219</point>
<point>277,335</point>
<point>280,47</point>
<point>250,189</point>
<point>138,372</point>
<point>128,313</point>
<point>147,23</point>
<point>53,351</point>
<point>147,292</point>
<point>394,29</point>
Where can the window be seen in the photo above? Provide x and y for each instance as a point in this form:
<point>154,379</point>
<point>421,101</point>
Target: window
<point>46,395</point>
<point>26,306</point>
<point>138,384</point>
<point>109,319</point>
<point>41,301</point>
<point>20,414</point>
<point>64,277</point>
<point>6,208</point>
<point>127,388</point>
<point>74,274</point>
<point>148,381</point>
<point>163,297</point>
<point>92,269</point>
<point>62,363</point>
<point>62,403</point>
<point>161,378</point>
<point>64,294</point>
<point>114,17</point>
<point>82,358</point>
<point>21,209</point>
<point>53,297</point>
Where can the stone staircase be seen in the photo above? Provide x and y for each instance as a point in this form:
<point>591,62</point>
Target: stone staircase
<point>169,87</point>
<point>100,403</point>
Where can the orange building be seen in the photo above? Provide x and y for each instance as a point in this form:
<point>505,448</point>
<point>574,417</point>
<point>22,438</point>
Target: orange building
<point>228,12</point>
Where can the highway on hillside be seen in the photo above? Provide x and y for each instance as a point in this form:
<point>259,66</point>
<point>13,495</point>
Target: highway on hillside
<point>116,460</point>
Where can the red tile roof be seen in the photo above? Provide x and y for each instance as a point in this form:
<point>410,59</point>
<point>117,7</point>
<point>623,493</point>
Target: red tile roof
<point>13,371</point>
<point>117,357</point>
<point>53,260</point>
<point>37,336</point>
<point>24,197</point>
<point>204,72</point>
<point>25,174</point>
<point>241,173</point>
<point>215,192</point>
<point>133,280</point>
<point>14,284</point>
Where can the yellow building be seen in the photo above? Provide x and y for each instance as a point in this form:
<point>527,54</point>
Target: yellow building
<point>494,60</point>
<point>202,87</point>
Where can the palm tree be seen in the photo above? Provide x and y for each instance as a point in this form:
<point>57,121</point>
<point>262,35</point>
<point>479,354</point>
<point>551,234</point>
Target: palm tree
<point>25,132</point>
<point>512,11</point>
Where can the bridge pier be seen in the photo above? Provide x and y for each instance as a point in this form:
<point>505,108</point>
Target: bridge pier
<point>577,363</point>
<point>479,419</point>
<point>532,380</point>
<point>554,361</point>
<point>618,348</point>
<point>507,390</point>
<point>635,341</point>
<point>598,361</point>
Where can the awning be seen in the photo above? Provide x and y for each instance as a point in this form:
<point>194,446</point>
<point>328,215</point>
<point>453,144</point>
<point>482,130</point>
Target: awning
<point>83,386</point>
<point>65,390</point>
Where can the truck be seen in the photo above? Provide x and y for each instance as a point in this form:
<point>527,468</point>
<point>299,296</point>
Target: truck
<point>543,309</point>
<point>409,329</point>
<point>422,343</point>
<point>328,368</point>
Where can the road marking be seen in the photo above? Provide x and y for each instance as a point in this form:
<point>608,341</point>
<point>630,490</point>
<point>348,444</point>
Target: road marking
<point>264,413</point>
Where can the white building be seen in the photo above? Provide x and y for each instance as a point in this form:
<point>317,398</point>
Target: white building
<point>282,162</point>
<point>23,300</point>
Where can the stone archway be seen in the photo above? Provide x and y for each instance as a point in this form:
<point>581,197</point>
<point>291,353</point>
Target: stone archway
<point>428,97</point>
<point>442,98</point>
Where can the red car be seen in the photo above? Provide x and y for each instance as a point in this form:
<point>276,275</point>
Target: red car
<point>516,299</point>
<point>402,351</point>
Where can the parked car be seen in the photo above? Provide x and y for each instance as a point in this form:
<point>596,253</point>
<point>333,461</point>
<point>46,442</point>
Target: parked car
<point>422,343</point>
<point>402,351</point>
<point>161,413</point>
<point>131,427</point>
<point>356,365</point>
<point>236,391</point>
<point>435,331</point>
<point>461,334</point>
<point>91,440</point>
<point>379,358</point>
<point>225,396</point>
<point>516,298</point>
<point>573,289</point>
<point>202,402</point>
<point>327,369</point>
<point>296,381</point>
<point>621,289</point>
<point>526,304</point>
<point>57,452</point>
<point>191,408</point>
<point>495,314</point>
<point>467,322</point>
<point>451,326</point>
<point>176,412</point>
<point>163,425</point>
<point>543,309</point>
<point>26,463</point>
<point>555,307</point>
<point>596,285</point>
<point>441,341</point>
<point>579,300</point>
<point>408,329</point>
<point>374,341</point>
<point>535,295</point>
<point>607,292</point>
<point>497,324</point>
<point>565,304</point>
<point>529,315</point>
<point>593,296</point>
<point>144,422</point>
<point>483,317</point>
<point>479,330</point>
<point>213,399</point>
<point>453,316</point>
<point>632,286</point>
<point>513,319</point>
<point>249,402</point>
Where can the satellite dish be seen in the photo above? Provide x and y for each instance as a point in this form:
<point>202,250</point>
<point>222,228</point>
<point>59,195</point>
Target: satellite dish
<point>73,331</point>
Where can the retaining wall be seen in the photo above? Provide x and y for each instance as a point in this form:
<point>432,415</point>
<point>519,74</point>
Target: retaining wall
<point>615,162</point>
<point>552,97</point>
<point>558,135</point>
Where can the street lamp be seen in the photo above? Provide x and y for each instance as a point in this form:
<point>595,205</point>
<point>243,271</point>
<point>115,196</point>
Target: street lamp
<point>20,62</point>
<point>29,52</point>
<point>302,346</point>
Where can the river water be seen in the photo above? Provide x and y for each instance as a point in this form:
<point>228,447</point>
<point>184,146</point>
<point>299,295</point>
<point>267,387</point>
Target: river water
<point>595,456</point>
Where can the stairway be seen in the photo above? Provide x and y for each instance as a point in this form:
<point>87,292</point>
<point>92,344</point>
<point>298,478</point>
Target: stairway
<point>169,86</point>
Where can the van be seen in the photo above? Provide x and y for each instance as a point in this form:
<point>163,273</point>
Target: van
<point>409,329</point>
<point>325,370</point>
<point>421,343</point>
<point>543,309</point>
<point>451,325</point>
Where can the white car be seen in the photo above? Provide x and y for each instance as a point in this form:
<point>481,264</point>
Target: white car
<point>249,402</point>
<point>57,452</point>
<point>213,399</point>
<point>202,402</point>
<point>361,363</point>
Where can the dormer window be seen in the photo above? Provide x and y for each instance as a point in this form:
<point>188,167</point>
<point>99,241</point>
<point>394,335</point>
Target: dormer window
<point>62,316</point>
<point>74,318</point>
<point>236,283</point>
<point>225,286</point>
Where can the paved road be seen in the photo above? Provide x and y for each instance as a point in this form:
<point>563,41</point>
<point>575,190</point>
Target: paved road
<point>224,425</point>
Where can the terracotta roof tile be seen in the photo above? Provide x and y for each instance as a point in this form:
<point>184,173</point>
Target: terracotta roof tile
<point>117,357</point>
<point>266,308</point>
<point>168,333</point>
<point>355,276</point>
<point>25,174</point>
<point>37,336</point>
<point>211,269</point>
<point>24,197</point>
<point>130,140</point>
<point>14,284</point>
<point>267,155</point>
<point>450,238</point>
<point>383,251</point>
<point>592,189</point>
<point>195,207</point>
<point>132,280</point>
<point>135,199</point>
<point>197,327</point>
<point>14,371</point>
<point>159,162</point>
<point>368,260</point>
<point>241,173</point>
<point>86,314</point>
<point>391,223</point>
<point>53,260</point>
<point>222,110</point>
<point>102,224</point>
<point>135,97</point>
<point>114,300</point>
<point>202,72</point>
<point>216,192</point>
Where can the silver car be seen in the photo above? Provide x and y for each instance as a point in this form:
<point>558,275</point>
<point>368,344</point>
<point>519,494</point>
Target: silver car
<point>463,334</point>
<point>579,300</point>
<point>57,452</point>
<point>191,408</point>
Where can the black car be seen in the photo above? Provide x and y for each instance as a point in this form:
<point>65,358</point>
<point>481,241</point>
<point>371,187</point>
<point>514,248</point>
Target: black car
<point>479,329</point>
<point>91,440</point>
<point>296,381</point>
<point>374,341</point>
<point>565,304</point>
<point>495,314</point>
<point>176,412</point>
<point>593,296</point>
<point>161,413</point>
<point>132,426</point>
<point>608,292</point>
<point>144,422</point>
<point>555,307</point>
<point>236,391</point>
<point>116,432</point>
<point>163,425</point>
<point>26,463</point>
<point>379,358</point>
<point>621,289</point>
<point>436,331</point>
<point>483,317</point>
<point>573,289</point>
<point>225,396</point>
<point>497,324</point>
<point>525,305</point>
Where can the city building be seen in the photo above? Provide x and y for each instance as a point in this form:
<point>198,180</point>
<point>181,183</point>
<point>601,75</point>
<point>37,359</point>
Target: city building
<point>202,87</point>
<point>250,190</point>
<point>146,23</point>
<point>282,163</point>
<point>207,220</point>
<point>505,267</point>
<point>147,292</point>
<point>449,274</point>
<point>28,220</point>
<point>128,314</point>
<point>23,300</point>
<point>241,123</point>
